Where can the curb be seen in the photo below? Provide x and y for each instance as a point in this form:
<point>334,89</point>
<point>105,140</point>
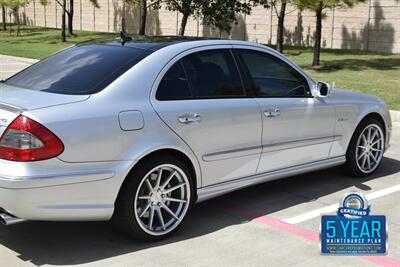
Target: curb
<point>395,115</point>
<point>18,59</point>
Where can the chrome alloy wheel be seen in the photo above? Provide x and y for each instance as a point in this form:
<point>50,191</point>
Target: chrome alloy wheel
<point>370,148</point>
<point>162,199</point>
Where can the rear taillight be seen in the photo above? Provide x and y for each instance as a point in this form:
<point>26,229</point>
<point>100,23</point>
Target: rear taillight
<point>27,140</point>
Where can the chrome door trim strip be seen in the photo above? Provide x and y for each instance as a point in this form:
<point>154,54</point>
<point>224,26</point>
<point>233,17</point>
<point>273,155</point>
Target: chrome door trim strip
<point>234,153</point>
<point>226,187</point>
<point>299,143</point>
<point>248,151</point>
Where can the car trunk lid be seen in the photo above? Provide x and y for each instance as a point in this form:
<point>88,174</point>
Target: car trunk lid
<point>17,100</point>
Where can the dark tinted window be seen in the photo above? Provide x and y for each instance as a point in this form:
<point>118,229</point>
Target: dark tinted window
<point>272,77</point>
<point>174,85</point>
<point>84,69</point>
<point>213,74</point>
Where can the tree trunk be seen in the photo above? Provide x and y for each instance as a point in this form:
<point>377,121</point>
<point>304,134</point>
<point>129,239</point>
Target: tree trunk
<point>281,27</point>
<point>63,39</point>
<point>71,17</point>
<point>317,43</point>
<point>10,26</point>
<point>143,17</point>
<point>123,17</point>
<point>183,24</point>
<point>16,14</point>
<point>3,14</point>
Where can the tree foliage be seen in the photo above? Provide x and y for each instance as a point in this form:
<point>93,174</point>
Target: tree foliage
<point>218,13</point>
<point>222,13</point>
<point>317,4</point>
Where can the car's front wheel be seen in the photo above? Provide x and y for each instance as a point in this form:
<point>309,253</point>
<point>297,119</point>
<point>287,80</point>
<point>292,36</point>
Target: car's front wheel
<point>366,148</point>
<point>155,200</point>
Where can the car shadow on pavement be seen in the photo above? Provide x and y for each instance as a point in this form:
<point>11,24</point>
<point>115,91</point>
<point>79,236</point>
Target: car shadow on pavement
<point>60,243</point>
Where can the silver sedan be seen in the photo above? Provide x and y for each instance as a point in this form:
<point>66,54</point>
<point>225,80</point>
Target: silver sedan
<point>139,130</point>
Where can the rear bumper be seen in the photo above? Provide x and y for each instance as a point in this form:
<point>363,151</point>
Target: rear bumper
<point>69,192</point>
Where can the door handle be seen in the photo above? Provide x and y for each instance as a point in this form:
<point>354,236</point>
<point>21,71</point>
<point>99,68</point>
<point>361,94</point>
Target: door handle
<point>188,118</point>
<point>271,113</point>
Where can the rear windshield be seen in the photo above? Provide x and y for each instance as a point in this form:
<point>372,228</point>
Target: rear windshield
<point>79,70</point>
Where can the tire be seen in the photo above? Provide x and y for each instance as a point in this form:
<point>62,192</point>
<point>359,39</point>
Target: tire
<point>137,204</point>
<point>364,144</point>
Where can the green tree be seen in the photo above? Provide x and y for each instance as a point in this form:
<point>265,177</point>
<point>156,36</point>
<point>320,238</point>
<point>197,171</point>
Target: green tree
<point>218,13</point>
<point>186,7</point>
<point>14,6</point>
<point>63,5</point>
<point>280,13</point>
<point>143,17</point>
<point>3,5</point>
<point>144,6</point>
<point>69,12</point>
<point>223,13</point>
<point>318,6</point>
<point>281,22</point>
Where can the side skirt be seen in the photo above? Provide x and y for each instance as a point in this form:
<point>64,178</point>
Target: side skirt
<point>226,187</point>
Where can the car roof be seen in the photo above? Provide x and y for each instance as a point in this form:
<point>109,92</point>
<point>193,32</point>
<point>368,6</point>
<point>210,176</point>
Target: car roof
<point>154,43</point>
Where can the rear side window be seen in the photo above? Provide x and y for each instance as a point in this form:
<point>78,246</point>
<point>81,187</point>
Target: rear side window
<point>213,74</point>
<point>202,75</point>
<point>84,69</point>
<point>174,85</point>
<point>272,77</point>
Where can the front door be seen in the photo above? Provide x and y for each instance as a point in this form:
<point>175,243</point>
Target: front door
<point>298,128</point>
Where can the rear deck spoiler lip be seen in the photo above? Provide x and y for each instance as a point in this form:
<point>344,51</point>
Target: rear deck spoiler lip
<point>12,108</point>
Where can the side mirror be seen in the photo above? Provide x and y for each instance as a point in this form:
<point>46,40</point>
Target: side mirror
<point>323,89</point>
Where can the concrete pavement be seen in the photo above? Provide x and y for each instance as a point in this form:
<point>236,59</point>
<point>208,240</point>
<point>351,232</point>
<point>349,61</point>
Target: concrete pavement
<point>10,65</point>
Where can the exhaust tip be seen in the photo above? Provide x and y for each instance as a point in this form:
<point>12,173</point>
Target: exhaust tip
<point>8,219</point>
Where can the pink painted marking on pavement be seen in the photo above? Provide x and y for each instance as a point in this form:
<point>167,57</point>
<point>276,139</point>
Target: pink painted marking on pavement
<point>382,260</point>
<point>299,231</point>
<point>250,214</point>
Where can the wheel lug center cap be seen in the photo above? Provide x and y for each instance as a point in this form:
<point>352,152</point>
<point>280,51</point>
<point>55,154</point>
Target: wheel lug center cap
<point>156,197</point>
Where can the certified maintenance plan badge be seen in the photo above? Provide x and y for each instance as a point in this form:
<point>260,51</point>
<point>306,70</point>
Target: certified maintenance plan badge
<point>353,231</point>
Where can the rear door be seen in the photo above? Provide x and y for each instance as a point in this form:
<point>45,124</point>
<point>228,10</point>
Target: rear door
<point>201,97</point>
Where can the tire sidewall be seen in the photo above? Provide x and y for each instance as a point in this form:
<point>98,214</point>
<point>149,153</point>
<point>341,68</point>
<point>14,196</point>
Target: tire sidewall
<point>351,156</point>
<point>126,200</point>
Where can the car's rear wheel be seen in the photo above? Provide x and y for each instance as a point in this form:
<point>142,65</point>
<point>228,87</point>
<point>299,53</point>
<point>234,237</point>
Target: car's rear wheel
<point>155,200</point>
<point>366,148</point>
